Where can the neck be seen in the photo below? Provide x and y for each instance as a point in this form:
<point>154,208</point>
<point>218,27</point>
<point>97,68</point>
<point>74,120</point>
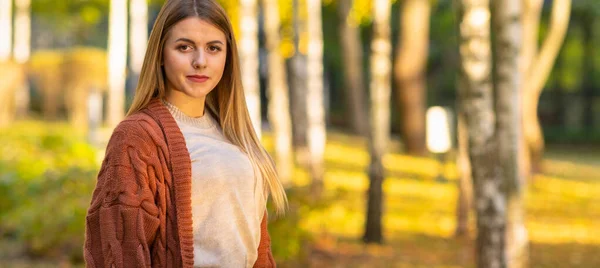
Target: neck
<point>192,107</point>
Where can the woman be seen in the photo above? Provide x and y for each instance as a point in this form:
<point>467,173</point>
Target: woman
<point>184,182</point>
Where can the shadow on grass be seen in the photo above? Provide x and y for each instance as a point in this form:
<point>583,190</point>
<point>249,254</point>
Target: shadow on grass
<point>417,250</point>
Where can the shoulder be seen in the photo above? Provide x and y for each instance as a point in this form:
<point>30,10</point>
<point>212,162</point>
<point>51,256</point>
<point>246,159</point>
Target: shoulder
<point>139,131</point>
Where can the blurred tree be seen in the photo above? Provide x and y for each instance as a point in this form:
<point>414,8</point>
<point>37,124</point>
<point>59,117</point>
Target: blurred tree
<point>5,30</point>
<point>117,61</point>
<point>248,50</point>
<point>380,88</point>
<point>536,67</point>
<point>507,45</point>
<point>298,86</point>
<point>22,47</point>
<point>409,75</point>
<point>477,103</point>
<point>315,105</point>
<point>354,84</point>
<point>279,112</point>
<point>138,36</point>
<point>465,186</point>
<point>47,77</point>
<point>22,50</point>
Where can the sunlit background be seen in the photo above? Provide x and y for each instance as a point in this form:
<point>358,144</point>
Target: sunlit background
<point>331,84</point>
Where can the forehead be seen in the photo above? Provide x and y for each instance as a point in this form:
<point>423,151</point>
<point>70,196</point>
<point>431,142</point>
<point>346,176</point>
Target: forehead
<point>196,29</point>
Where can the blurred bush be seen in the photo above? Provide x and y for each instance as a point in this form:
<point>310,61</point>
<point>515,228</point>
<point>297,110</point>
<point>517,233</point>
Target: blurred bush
<point>47,176</point>
<point>63,80</point>
<point>562,135</point>
<point>12,77</point>
<point>46,180</point>
<point>46,74</point>
<point>290,239</point>
<point>85,71</point>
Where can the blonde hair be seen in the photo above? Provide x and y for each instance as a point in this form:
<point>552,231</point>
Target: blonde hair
<point>226,101</point>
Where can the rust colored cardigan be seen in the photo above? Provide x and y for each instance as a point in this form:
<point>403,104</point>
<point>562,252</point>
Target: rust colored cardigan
<point>140,214</point>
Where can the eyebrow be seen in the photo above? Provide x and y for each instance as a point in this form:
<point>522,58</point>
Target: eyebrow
<point>191,41</point>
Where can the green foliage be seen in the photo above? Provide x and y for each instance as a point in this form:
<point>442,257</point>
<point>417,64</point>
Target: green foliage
<point>288,242</point>
<point>46,179</point>
<point>570,62</point>
<point>79,20</point>
<point>561,135</point>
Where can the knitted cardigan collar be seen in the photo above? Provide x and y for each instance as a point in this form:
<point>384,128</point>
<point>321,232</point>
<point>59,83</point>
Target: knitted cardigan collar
<point>181,170</point>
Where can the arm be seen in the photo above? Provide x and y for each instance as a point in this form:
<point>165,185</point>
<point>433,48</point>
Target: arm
<point>122,219</point>
<point>265,257</point>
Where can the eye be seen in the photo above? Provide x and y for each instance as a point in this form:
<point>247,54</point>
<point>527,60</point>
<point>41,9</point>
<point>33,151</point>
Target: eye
<point>184,48</point>
<point>214,48</point>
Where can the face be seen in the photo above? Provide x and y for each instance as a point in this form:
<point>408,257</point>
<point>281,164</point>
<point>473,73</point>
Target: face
<point>194,57</point>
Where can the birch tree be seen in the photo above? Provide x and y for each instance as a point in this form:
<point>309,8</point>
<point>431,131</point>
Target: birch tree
<point>22,51</point>
<point>138,35</point>
<point>279,111</point>
<point>298,86</point>
<point>507,27</point>
<point>380,87</point>
<point>410,72</point>
<point>6,21</point>
<point>117,61</point>
<point>354,84</point>
<point>314,96</point>
<point>476,100</point>
<point>22,46</point>
<point>249,59</point>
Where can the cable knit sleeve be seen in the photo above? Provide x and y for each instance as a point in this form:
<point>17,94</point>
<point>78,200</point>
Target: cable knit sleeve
<point>123,219</point>
<point>265,257</point>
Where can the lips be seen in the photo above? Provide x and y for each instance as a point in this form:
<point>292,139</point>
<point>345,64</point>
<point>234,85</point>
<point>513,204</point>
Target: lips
<point>197,78</point>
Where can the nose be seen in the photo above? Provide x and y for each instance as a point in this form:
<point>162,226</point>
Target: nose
<point>199,61</point>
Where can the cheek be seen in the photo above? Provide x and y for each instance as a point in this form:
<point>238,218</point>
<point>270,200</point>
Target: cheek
<point>220,63</point>
<point>174,64</point>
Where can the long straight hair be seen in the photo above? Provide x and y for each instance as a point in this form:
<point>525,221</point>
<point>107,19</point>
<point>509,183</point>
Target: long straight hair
<point>226,101</point>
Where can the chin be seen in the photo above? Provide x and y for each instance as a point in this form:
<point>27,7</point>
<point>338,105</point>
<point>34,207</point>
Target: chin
<point>198,93</point>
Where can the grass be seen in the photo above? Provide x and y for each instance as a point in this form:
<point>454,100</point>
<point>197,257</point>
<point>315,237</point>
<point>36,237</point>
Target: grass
<point>563,212</point>
<point>562,207</point>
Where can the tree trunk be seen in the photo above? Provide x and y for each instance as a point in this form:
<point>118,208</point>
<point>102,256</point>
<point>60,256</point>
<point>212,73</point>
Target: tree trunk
<point>22,51</point>
<point>297,82</point>
<point>532,11</point>
<point>117,61</point>
<point>279,111</point>
<point>465,193</point>
<point>380,117</point>
<point>507,44</point>
<point>249,59</point>
<point>410,65</point>
<point>315,105</point>
<point>22,47</point>
<point>5,30</point>
<point>138,38</point>
<point>353,73</point>
<point>297,67</point>
<point>536,78</point>
<point>476,100</point>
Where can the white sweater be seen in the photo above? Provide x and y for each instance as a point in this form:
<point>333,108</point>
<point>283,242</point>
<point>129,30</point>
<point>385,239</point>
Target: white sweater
<point>227,198</point>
